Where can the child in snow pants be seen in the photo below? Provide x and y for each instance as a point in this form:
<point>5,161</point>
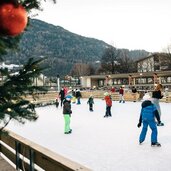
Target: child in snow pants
<point>148,114</point>
<point>67,114</point>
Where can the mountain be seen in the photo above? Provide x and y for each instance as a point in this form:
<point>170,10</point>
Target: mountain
<point>61,47</point>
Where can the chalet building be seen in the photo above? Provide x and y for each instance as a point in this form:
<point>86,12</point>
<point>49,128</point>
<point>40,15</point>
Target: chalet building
<point>154,62</point>
<point>156,68</point>
<point>139,80</point>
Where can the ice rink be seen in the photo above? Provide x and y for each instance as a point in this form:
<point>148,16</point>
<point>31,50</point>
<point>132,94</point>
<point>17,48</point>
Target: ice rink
<point>102,144</point>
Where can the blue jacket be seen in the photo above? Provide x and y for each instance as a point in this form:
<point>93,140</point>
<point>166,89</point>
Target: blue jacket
<point>149,112</point>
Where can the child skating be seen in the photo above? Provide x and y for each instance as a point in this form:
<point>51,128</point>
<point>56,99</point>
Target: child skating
<point>67,114</point>
<point>90,102</point>
<point>108,101</point>
<point>147,116</point>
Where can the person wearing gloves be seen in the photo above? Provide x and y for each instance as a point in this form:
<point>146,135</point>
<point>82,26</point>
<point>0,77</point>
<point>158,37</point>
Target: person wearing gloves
<point>147,116</point>
<point>67,114</point>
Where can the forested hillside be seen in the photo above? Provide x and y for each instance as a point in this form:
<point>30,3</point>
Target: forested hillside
<point>61,47</point>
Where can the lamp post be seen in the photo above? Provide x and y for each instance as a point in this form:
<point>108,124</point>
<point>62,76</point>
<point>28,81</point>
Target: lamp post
<point>141,80</point>
<point>81,81</point>
<point>58,83</point>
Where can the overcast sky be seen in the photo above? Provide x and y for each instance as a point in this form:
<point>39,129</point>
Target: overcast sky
<point>131,24</point>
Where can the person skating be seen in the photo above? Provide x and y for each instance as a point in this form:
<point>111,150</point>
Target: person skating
<point>156,96</point>
<point>57,102</point>
<point>108,101</point>
<point>134,91</point>
<point>78,96</point>
<point>90,102</point>
<point>67,114</point>
<point>147,116</point>
<point>62,95</point>
<point>121,95</point>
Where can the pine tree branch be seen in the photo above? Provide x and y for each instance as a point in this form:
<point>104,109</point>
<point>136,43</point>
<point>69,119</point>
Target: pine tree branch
<point>1,129</point>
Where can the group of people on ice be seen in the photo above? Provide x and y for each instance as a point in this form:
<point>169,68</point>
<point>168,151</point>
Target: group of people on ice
<point>150,114</point>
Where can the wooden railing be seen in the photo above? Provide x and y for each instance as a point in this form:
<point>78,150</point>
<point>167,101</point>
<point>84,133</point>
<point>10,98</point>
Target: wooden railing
<point>115,96</point>
<point>28,156</point>
<point>128,96</point>
<point>51,96</point>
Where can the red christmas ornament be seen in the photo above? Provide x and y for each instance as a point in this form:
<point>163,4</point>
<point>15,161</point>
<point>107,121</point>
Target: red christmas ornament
<point>13,19</point>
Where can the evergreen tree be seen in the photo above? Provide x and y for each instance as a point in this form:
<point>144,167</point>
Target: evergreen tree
<point>16,86</point>
<point>14,89</point>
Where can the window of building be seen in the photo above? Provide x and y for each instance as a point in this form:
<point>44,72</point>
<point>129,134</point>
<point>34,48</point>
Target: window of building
<point>150,80</point>
<point>169,79</point>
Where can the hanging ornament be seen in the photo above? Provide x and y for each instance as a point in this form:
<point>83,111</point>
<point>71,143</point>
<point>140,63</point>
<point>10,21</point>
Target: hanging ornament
<point>13,18</point>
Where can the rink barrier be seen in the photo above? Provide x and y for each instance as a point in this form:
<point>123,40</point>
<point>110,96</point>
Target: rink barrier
<point>42,99</point>
<point>128,96</point>
<point>29,156</point>
<point>115,96</point>
<point>50,97</point>
<point>168,99</point>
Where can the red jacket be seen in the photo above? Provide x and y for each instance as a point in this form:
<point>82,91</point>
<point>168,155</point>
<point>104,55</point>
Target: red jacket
<point>108,100</point>
<point>121,91</point>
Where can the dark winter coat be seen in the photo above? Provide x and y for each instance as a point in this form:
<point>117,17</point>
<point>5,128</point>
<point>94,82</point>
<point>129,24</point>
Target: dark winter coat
<point>121,91</point>
<point>157,94</point>
<point>78,94</point>
<point>67,107</point>
<point>149,112</point>
<point>134,90</point>
<point>62,94</point>
<point>90,100</point>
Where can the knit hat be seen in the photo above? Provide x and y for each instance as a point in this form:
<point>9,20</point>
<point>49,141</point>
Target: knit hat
<point>68,97</point>
<point>106,94</point>
<point>146,97</point>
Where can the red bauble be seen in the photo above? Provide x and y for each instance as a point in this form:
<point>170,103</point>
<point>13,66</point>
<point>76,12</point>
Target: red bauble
<point>13,19</point>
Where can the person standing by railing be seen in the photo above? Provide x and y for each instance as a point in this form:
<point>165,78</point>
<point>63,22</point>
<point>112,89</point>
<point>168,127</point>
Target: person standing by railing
<point>121,95</point>
<point>134,91</point>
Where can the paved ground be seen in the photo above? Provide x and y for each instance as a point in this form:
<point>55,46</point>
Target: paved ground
<point>5,166</point>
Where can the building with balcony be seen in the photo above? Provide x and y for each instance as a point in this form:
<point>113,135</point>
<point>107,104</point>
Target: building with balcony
<point>153,69</point>
<point>154,62</point>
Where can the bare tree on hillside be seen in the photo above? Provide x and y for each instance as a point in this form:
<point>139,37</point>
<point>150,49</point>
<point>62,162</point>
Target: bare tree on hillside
<point>126,63</point>
<point>109,60</point>
<point>168,52</point>
<point>81,69</point>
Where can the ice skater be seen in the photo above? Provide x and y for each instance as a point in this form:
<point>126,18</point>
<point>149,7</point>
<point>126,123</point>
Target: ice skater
<point>57,102</point>
<point>67,114</point>
<point>121,95</point>
<point>134,91</point>
<point>90,102</point>
<point>108,101</point>
<point>62,95</point>
<point>78,96</point>
<point>147,116</point>
<point>156,96</point>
